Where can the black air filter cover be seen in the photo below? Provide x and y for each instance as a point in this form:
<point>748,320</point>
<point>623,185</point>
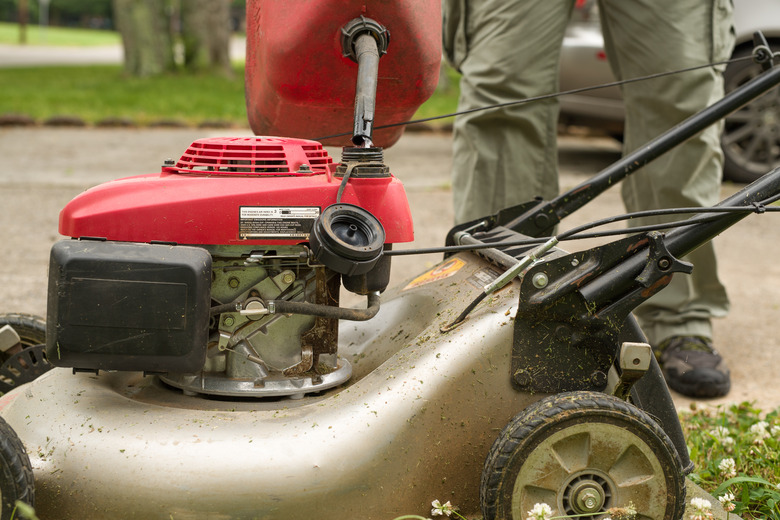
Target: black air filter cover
<point>128,306</point>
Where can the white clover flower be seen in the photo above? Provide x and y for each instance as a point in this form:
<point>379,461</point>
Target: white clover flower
<point>760,431</point>
<point>728,468</point>
<point>727,501</point>
<point>540,512</point>
<point>702,509</point>
<point>721,434</point>
<point>775,431</point>
<point>440,509</point>
<point>760,428</point>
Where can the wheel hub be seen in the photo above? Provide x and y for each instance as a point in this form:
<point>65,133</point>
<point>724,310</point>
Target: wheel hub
<point>587,493</point>
<point>588,497</point>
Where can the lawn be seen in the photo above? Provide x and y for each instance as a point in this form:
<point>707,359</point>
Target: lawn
<point>95,93</point>
<point>98,92</point>
<point>36,35</point>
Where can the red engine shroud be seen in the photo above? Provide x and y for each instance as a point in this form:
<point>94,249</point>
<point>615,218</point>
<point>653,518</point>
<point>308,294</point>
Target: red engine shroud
<point>229,191</point>
<point>299,83</point>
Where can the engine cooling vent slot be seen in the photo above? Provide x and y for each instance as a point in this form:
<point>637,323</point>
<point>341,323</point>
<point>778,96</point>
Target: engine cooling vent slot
<point>254,156</point>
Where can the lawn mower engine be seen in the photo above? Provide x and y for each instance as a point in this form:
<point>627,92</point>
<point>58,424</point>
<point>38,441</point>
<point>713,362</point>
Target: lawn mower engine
<point>222,272</point>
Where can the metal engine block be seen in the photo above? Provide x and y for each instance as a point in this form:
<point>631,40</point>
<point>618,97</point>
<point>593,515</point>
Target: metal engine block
<point>254,351</point>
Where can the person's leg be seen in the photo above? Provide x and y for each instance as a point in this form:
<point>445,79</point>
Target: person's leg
<point>644,37</point>
<point>506,51</point>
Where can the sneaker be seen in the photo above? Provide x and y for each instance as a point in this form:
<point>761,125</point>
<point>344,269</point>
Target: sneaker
<point>692,367</point>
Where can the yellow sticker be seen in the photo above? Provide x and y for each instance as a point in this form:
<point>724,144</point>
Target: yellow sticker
<point>442,271</point>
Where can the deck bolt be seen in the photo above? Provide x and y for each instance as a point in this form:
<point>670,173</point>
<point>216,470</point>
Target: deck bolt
<point>598,379</point>
<point>522,377</point>
<point>540,280</point>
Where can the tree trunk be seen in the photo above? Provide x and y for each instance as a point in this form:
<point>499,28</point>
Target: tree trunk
<point>206,35</point>
<point>146,38</point>
<point>23,15</point>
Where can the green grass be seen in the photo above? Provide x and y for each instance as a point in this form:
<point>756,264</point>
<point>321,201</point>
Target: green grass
<point>751,439</point>
<point>97,92</point>
<point>443,101</point>
<point>9,34</point>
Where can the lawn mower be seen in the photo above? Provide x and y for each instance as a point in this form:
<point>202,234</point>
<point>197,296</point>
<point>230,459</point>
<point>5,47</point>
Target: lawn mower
<point>204,367</point>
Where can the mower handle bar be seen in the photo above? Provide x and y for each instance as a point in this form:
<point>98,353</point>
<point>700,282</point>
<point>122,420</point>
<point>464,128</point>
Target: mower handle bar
<point>542,219</point>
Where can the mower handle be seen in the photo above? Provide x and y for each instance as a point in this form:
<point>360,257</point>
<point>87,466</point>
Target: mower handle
<point>542,218</point>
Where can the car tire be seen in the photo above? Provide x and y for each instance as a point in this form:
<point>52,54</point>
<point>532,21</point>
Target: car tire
<point>751,135</point>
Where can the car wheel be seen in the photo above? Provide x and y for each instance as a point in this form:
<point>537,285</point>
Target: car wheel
<point>582,454</point>
<point>751,136</point>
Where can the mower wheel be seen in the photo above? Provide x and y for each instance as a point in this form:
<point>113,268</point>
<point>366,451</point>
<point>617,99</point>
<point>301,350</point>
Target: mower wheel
<point>16,475</point>
<point>24,363</point>
<point>582,453</point>
<point>30,328</point>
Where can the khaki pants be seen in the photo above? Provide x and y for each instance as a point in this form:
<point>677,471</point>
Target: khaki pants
<point>509,50</point>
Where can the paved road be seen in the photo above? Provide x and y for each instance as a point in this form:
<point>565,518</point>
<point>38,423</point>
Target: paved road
<point>41,169</point>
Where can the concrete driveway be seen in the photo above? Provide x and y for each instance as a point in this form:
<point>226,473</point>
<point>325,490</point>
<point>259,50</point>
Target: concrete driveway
<point>41,169</point>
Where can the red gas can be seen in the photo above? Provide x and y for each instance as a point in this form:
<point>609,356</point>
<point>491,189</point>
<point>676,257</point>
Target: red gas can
<point>299,83</point>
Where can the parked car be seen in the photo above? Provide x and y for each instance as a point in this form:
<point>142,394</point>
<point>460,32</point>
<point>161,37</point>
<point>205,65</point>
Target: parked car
<point>751,138</point>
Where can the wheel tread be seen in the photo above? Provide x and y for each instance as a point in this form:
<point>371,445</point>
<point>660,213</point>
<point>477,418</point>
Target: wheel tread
<point>14,461</point>
<point>541,414</point>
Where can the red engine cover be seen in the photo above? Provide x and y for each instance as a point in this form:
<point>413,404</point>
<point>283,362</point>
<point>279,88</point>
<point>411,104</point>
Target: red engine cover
<point>229,191</point>
<point>298,83</point>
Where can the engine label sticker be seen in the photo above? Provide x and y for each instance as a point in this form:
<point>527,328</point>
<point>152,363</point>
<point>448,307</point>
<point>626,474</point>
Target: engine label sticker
<point>276,222</point>
<point>440,272</point>
<point>483,277</point>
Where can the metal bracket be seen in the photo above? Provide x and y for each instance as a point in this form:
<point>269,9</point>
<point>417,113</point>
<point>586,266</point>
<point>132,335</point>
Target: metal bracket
<point>762,54</point>
<point>633,361</point>
<point>660,261</point>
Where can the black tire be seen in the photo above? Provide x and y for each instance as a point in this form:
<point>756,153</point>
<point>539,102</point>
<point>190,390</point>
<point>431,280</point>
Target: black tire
<point>24,363</point>
<point>751,136</point>
<point>30,328</point>
<point>16,475</point>
<point>574,448</point>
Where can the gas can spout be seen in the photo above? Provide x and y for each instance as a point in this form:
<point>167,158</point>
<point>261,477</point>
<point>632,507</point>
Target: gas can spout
<point>365,91</point>
<point>364,41</point>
